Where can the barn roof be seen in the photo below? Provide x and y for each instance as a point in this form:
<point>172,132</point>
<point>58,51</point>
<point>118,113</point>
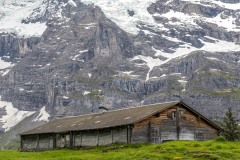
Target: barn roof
<point>107,119</point>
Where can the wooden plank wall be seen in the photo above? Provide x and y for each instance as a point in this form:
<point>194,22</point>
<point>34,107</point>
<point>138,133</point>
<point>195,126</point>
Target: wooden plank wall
<point>100,137</point>
<point>156,129</point>
<point>42,141</point>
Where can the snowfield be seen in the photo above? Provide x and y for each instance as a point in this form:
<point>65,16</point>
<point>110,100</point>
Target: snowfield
<point>13,115</point>
<point>116,10</point>
<point>12,12</point>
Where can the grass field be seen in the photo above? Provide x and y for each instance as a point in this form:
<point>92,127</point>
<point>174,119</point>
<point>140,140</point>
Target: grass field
<point>174,150</point>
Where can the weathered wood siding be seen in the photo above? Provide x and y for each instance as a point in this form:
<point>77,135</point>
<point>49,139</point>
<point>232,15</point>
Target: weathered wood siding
<point>29,141</point>
<point>62,140</point>
<point>100,137</point>
<point>105,137</point>
<point>46,141</point>
<point>196,126</point>
<point>119,135</point>
<point>76,139</point>
<point>165,126</point>
<point>41,141</point>
<point>89,138</point>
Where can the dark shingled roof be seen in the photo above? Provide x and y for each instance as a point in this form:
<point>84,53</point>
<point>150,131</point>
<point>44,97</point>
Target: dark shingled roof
<point>107,119</point>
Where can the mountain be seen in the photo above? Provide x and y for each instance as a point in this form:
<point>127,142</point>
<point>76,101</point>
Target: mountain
<point>65,58</point>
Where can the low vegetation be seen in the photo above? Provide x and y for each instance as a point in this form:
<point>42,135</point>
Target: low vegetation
<point>218,149</point>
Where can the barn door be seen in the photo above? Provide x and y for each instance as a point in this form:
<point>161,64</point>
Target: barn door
<point>63,140</point>
<point>155,134</point>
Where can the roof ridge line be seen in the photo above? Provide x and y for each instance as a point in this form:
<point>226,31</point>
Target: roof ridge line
<point>99,113</point>
<point>141,106</point>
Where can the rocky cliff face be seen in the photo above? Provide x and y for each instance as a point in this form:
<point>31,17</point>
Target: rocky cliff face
<point>116,55</point>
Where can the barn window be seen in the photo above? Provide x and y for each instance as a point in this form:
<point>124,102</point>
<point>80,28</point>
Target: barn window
<point>199,136</point>
<point>174,114</point>
<point>157,115</point>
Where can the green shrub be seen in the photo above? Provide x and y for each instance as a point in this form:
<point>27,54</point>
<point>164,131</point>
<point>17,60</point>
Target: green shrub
<point>220,139</point>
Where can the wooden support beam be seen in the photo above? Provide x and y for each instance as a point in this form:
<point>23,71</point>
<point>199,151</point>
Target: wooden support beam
<point>54,141</point>
<point>80,138</point>
<point>149,132</point>
<point>38,137</point>
<point>127,134</point>
<point>71,139</point>
<point>97,137</point>
<point>112,135</point>
<point>178,123</point>
<point>21,142</point>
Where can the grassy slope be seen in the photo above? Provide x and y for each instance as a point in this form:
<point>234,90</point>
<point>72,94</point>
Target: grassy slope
<point>175,150</point>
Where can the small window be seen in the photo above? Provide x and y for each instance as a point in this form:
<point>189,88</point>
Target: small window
<point>158,115</point>
<point>199,136</point>
<point>174,115</point>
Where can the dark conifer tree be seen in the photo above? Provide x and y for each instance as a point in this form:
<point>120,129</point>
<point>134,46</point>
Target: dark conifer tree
<point>230,126</point>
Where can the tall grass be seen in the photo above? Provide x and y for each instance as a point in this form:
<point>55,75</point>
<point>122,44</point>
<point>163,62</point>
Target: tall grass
<point>174,150</point>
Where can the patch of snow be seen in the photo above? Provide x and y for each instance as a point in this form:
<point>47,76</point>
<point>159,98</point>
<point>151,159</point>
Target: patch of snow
<point>4,72</point>
<point>150,62</point>
<point>89,75</point>
<point>227,23</point>
<point>127,72</point>
<point>65,97</point>
<point>4,64</point>
<point>13,116</point>
<point>14,12</point>
<point>164,75</point>
<point>213,58</point>
<point>155,77</point>
<point>235,6</point>
<point>21,89</point>
<point>178,74</point>
<point>182,17</point>
<point>71,2</point>
<point>220,46</point>
<point>215,70</point>
<point>43,115</point>
<point>117,12</point>
<point>185,49</point>
<point>183,83</point>
<point>83,51</point>
<point>86,92</point>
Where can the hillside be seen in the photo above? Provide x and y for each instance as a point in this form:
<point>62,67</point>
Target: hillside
<point>175,150</point>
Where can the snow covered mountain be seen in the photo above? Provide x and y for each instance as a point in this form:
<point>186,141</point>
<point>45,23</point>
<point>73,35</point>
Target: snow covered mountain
<point>69,57</point>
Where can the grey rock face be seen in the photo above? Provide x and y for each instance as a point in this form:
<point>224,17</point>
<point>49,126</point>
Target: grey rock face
<point>230,1</point>
<point>14,47</point>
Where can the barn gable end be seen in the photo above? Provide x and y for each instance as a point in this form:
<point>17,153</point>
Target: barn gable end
<point>166,125</point>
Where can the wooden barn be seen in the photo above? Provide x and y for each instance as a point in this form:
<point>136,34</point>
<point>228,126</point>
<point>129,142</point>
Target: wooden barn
<point>151,123</point>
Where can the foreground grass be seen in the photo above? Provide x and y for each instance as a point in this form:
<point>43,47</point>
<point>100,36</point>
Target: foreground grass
<point>175,150</point>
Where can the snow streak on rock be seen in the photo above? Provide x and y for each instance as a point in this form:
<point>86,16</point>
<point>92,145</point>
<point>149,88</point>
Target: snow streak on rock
<point>13,115</point>
<point>4,64</point>
<point>43,115</point>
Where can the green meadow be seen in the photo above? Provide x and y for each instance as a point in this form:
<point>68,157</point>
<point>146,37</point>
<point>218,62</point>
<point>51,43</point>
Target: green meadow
<point>174,150</point>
